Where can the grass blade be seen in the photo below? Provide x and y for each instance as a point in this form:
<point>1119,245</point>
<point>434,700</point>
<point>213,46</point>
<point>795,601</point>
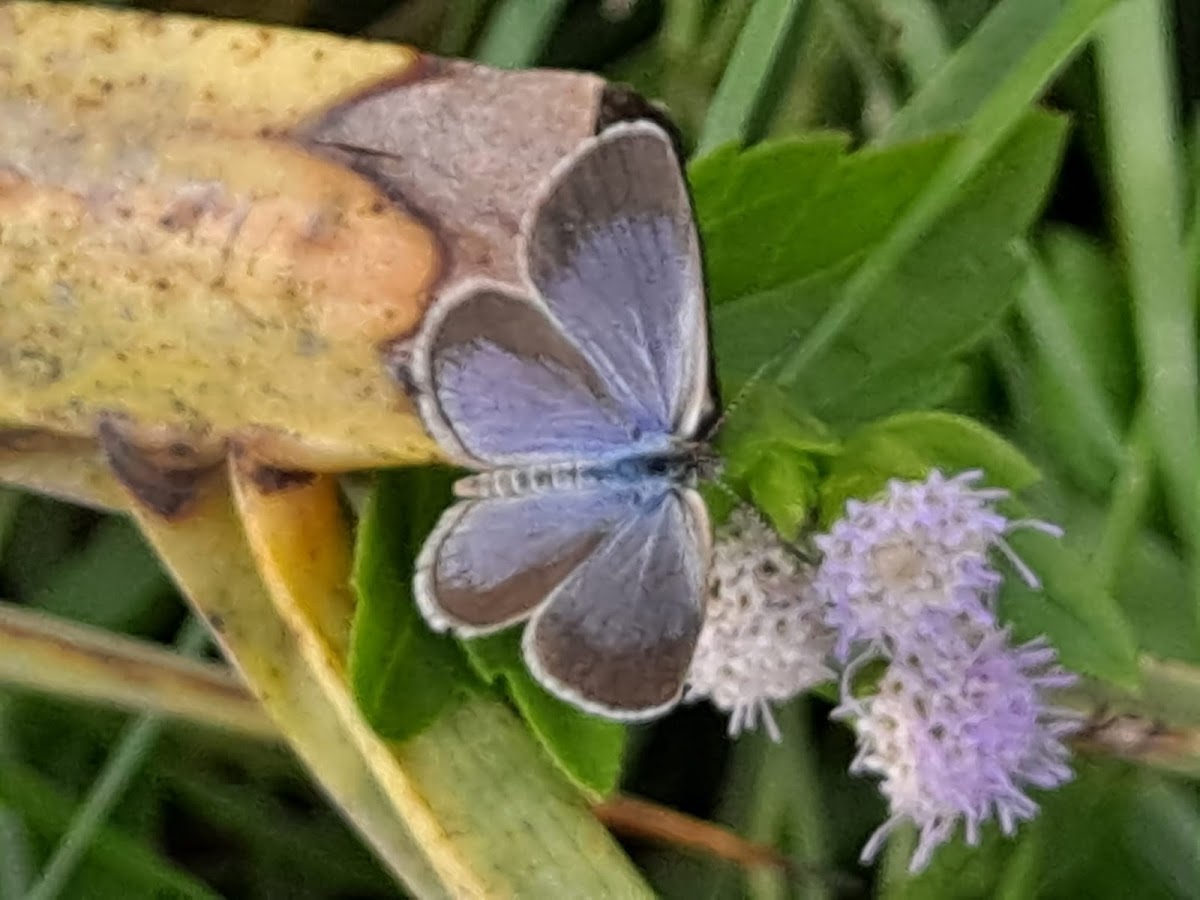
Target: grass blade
<point>1147,171</point>
<point>43,653</point>
<point>517,32</point>
<point>754,80</point>
<point>121,766</point>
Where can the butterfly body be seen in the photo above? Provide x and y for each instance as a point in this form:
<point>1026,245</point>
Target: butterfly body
<point>683,466</point>
<point>580,399</point>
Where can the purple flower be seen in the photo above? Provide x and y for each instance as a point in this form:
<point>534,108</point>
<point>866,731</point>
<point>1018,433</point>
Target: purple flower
<point>920,546</point>
<point>764,640</point>
<point>958,729</point>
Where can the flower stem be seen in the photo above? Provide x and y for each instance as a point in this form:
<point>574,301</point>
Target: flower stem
<point>807,814</point>
<point>768,814</point>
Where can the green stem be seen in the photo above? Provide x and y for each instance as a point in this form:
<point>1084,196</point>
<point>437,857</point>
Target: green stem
<point>767,815</point>
<point>1135,72</point>
<point>135,743</point>
<point>893,868</point>
<point>983,134</point>
<point>808,817</point>
<point>754,79</point>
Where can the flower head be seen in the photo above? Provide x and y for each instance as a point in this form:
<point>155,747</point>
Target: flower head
<point>764,640</point>
<point>958,729</point>
<point>921,545</point>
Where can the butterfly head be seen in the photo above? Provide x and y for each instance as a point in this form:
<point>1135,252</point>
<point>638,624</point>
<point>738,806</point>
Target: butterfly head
<point>703,462</point>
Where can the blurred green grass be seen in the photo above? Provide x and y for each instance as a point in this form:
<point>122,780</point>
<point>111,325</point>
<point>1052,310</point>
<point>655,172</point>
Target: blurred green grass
<point>210,815</point>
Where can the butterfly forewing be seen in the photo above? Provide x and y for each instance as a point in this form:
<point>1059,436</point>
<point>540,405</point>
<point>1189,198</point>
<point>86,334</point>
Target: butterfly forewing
<point>613,251</point>
<point>507,387</point>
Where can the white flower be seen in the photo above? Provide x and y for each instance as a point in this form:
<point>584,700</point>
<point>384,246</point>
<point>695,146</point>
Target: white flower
<point>921,545</point>
<point>764,640</point>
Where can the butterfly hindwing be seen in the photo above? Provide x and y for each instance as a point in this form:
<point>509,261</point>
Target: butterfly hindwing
<point>491,562</point>
<point>617,636</point>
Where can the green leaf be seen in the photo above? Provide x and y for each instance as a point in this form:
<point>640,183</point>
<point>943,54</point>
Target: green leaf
<point>1083,621</point>
<point>956,870</point>
<point>1155,594</point>
<point>721,501</point>
<point>785,489</point>
<point>767,421</point>
<point>779,261</point>
<point>909,445</point>
<point>1091,832</point>
<point>403,674</point>
<point>788,209</point>
<point>772,449</point>
<point>587,748</point>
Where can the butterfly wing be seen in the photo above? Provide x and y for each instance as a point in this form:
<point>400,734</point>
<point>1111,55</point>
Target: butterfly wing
<point>612,578</point>
<point>491,562</point>
<point>612,249</point>
<point>611,357</point>
<point>505,386</point>
<point>618,634</point>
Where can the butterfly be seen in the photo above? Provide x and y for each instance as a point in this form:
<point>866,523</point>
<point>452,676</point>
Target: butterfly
<point>579,400</point>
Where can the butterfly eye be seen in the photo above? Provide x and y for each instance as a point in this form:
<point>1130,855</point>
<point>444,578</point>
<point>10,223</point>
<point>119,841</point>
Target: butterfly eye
<point>657,466</point>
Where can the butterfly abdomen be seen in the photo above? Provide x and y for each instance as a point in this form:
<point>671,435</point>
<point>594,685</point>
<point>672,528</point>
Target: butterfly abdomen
<point>574,475</point>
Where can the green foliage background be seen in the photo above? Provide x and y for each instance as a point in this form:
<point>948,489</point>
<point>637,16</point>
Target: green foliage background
<point>934,271</point>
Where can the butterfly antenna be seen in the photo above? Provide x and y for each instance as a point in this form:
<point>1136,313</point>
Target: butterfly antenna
<point>733,404</point>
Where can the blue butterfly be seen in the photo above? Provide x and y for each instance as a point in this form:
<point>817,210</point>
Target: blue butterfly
<point>579,400</point>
